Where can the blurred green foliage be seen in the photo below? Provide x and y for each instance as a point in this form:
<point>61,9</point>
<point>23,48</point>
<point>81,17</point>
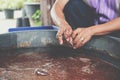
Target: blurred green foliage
<point>14,4</point>
<point>37,18</point>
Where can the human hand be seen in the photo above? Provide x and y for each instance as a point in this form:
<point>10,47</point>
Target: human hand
<point>64,31</point>
<point>81,36</point>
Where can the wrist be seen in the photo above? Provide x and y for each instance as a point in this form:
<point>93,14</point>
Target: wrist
<point>63,23</point>
<point>93,30</point>
<point>98,30</point>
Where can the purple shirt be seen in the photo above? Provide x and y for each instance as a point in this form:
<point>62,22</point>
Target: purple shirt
<point>106,9</point>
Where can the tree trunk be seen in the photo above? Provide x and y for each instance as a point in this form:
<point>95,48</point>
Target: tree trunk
<point>45,11</point>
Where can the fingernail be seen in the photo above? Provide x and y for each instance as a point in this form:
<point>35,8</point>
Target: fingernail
<point>67,39</point>
<point>74,47</point>
<point>61,43</point>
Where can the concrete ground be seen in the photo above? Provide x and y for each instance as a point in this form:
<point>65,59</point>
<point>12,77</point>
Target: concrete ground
<point>5,24</point>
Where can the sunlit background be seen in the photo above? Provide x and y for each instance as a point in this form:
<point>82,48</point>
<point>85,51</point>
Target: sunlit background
<point>19,12</point>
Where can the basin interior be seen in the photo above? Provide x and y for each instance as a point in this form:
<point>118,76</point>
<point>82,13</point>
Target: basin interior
<point>56,64</point>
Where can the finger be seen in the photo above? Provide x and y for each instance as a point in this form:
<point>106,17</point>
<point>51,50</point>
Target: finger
<point>67,34</point>
<point>79,41</point>
<point>82,43</point>
<point>60,31</point>
<point>59,36</point>
<point>77,38</point>
<point>68,43</point>
<point>75,32</point>
<point>78,44</point>
<point>86,40</point>
<point>60,40</point>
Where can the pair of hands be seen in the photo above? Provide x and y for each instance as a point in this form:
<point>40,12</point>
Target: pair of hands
<point>77,38</point>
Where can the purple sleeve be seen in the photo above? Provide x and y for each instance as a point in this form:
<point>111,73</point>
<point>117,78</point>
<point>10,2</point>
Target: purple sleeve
<point>106,9</point>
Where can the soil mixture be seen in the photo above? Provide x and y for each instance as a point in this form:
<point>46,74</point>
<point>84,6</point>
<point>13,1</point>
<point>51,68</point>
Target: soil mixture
<point>31,65</point>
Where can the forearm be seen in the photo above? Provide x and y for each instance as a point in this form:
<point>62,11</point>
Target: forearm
<point>106,28</point>
<point>57,13</point>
